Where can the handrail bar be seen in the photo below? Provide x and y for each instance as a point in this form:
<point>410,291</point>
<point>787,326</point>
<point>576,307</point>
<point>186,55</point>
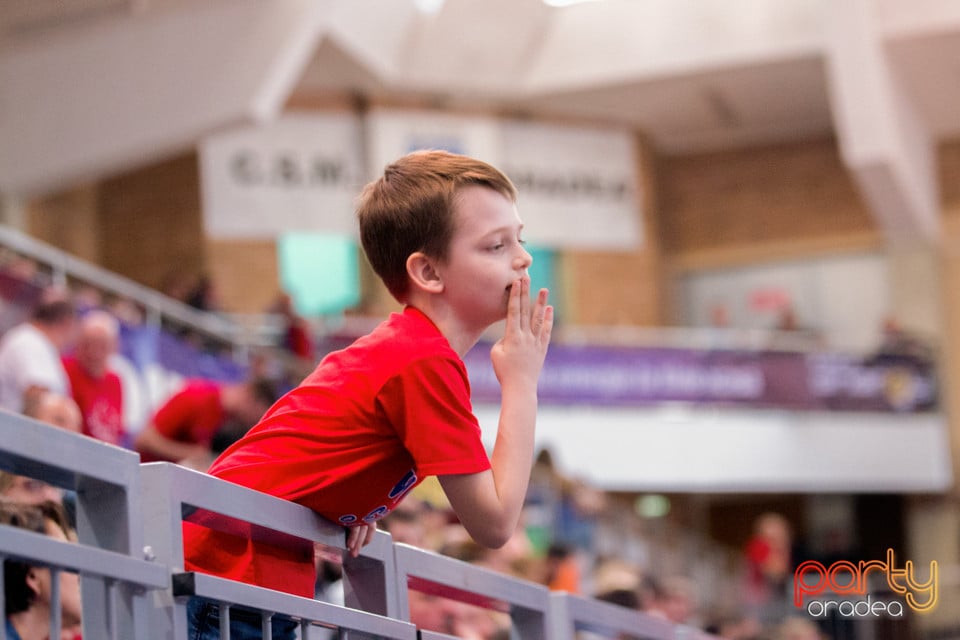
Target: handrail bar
<point>35,547</point>
<point>527,603</point>
<point>277,602</point>
<point>570,613</point>
<point>65,264</point>
<point>27,450</point>
<point>208,497</point>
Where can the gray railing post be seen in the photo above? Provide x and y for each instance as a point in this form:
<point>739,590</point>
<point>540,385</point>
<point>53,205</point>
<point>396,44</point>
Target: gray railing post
<point>368,580</point>
<point>107,485</point>
<point>165,543</point>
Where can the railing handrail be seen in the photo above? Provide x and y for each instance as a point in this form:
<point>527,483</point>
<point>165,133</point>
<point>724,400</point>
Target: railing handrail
<point>35,547</point>
<point>65,265</point>
<point>243,330</point>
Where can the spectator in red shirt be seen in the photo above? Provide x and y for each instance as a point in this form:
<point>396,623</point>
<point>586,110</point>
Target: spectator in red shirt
<point>96,389</point>
<point>296,338</point>
<point>183,428</point>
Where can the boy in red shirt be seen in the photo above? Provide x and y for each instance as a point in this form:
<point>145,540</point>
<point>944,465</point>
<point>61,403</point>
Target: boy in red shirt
<point>373,420</point>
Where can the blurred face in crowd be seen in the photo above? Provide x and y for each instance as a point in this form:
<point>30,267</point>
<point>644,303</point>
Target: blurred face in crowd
<point>29,590</point>
<point>249,409</point>
<point>64,333</point>
<point>57,410</point>
<point>97,342</point>
<point>40,581</point>
<point>431,612</point>
<point>25,490</point>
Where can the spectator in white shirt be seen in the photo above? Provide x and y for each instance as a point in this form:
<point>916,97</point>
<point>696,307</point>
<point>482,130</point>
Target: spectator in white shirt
<point>30,352</point>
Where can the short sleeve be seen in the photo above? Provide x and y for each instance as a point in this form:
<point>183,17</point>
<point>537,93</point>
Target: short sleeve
<point>428,404</point>
<point>35,363</point>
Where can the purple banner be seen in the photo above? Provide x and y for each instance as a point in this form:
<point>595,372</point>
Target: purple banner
<point>620,376</point>
<point>759,379</point>
<point>147,346</point>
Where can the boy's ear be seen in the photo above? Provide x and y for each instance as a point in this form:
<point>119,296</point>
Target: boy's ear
<point>423,273</point>
<point>32,581</point>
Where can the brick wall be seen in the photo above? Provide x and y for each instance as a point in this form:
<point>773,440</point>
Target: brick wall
<point>756,204</point>
<point>150,222</point>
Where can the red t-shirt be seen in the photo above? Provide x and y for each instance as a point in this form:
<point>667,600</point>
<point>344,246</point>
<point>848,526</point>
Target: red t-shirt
<point>193,414</point>
<point>100,401</point>
<point>368,425</point>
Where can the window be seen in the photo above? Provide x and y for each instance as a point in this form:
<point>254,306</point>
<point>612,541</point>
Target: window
<point>320,271</point>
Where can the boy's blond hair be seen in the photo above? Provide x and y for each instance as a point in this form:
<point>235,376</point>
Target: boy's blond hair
<point>410,208</point>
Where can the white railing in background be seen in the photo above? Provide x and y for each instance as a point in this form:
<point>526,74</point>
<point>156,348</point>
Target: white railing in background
<point>65,268</point>
<point>130,555</point>
<point>247,330</point>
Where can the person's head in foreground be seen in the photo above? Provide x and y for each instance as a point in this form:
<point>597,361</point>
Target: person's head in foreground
<point>28,588</point>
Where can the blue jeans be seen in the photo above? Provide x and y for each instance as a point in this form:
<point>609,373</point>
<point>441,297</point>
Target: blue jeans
<point>203,623</point>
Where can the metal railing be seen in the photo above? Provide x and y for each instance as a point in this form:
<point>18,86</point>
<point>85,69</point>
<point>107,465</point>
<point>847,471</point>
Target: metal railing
<point>65,268</point>
<point>244,330</point>
<point>130,555</point>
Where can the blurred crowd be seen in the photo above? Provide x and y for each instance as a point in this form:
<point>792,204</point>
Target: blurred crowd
<point>576,539</point>
<point>57,365</point>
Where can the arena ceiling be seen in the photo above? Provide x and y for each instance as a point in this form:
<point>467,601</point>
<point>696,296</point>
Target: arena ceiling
<point>92,86</point>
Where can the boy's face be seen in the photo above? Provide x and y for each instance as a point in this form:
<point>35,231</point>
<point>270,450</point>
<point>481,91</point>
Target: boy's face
<point>486,256</point>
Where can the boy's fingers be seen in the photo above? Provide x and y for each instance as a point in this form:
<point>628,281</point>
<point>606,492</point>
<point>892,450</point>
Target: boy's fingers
<point>359,537</point>
<point>513,306</point>
<point>355,537</point>
<point>524,303</point>
<point>547,327</point>
<point>539,311</point>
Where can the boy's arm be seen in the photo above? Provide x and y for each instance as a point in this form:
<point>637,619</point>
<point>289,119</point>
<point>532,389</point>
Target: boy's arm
<point>161,437</point>
<point>150,441</point>
<point>489,503</point>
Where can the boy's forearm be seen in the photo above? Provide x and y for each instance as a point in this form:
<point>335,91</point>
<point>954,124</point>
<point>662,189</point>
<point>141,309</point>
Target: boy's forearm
<point>489,503</point>
<point>513,450</point>
<point>152,442</point>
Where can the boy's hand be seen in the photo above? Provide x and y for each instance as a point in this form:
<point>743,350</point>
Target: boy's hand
<point>359,537</point>
<point>518,356</point>
<point>489,503</point>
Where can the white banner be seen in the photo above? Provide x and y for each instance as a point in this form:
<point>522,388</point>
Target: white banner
<point>577,186</point>
<point>393,133</point>
<point>299,173</point>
